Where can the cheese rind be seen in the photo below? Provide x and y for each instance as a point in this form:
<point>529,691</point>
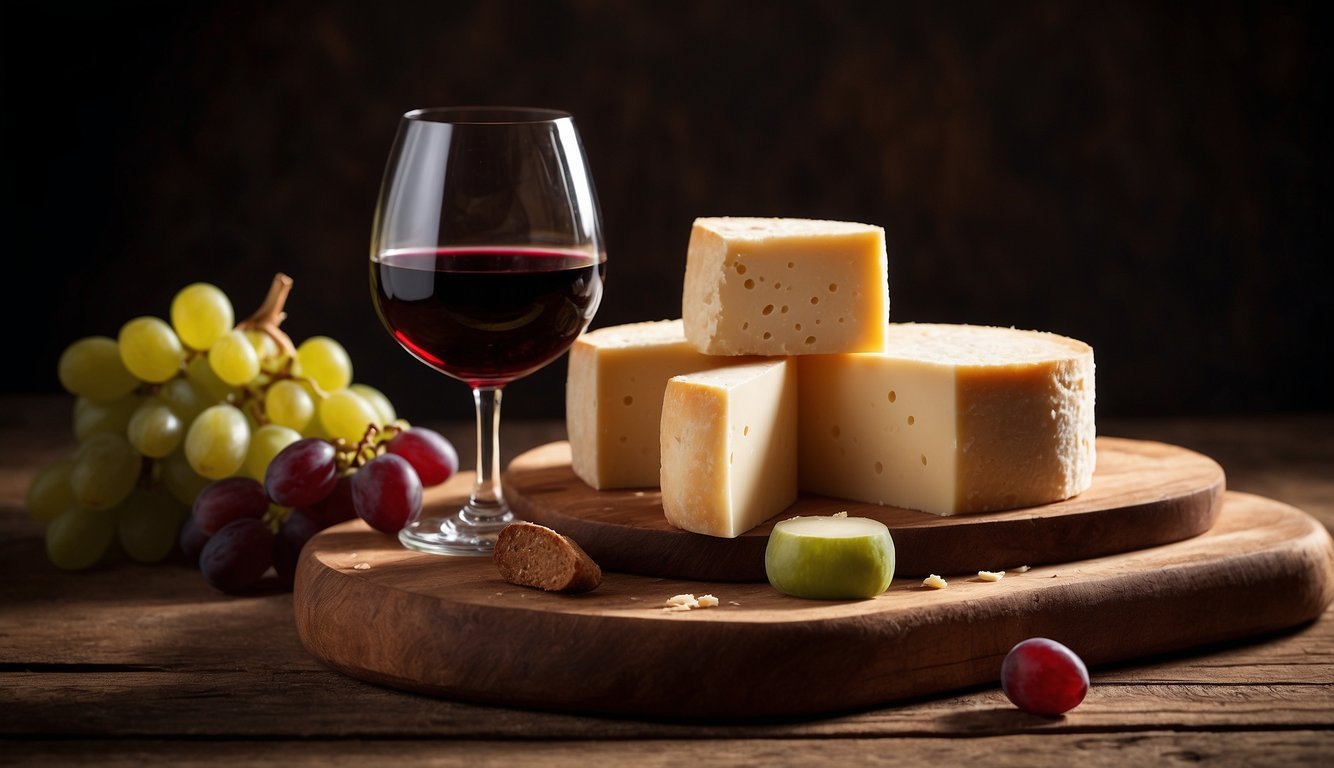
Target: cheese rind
<point>774,286</point>
<point>951,419</point>
<point>729,447</point>
<point>613,399</point>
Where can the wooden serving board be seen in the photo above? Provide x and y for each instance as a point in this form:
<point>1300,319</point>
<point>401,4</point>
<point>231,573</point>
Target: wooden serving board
<point>1144,494</point>
<point>450,627</point>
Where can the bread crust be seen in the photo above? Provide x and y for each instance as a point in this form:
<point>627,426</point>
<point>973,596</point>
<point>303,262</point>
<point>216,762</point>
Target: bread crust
<point>532,555</point>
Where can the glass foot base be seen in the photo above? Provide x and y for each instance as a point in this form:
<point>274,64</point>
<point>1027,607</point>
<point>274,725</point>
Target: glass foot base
<point>462,533</point>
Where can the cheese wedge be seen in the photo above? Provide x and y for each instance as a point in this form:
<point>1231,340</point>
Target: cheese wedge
<point>613,399</point>
<point>771,286</point>
<point>950,419</point>
<point>729,447</point>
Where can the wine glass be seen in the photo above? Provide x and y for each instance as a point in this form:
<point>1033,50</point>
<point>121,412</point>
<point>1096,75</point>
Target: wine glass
<point>486,262</point>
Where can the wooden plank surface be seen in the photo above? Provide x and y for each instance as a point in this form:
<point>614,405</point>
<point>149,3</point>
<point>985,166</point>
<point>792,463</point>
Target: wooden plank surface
<point>146,664</point>
<point>1144,494</point>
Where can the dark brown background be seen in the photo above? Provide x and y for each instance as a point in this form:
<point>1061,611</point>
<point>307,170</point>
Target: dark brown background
<point>1149,177</point>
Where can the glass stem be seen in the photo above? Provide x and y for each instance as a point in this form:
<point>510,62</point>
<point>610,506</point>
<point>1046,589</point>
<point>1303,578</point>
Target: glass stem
<point>488,499</point>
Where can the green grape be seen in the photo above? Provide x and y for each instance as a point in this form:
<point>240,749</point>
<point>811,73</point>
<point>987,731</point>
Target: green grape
<point>106,467</point>
<point>49,492</point>
<point>217,441</point>
<point>92,368</point>
<point>326,362</point>
<point>289,404</point>
<point>182,398</point>
<point>345,414</point>
<point>79,538</point>
<point>182,481</point>
<point>378,401</point>
<point>233,359</point>
<point>148,524</point>
<point>92,418</point>
<point>150,349</point>
<point>201,313</point>
<point>154,429</point>
<point>264,345</point>
<point>211,388</point>
<point>265,443</point>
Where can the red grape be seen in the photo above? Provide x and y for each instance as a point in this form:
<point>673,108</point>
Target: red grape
<point>428,452</point>
<point>386,492</point>
<point>192,540</point>
<point>293,534</point>
<point>231,498</point>
<point>303,473</point>
<point>336,507</point>
<point>235,558</point>
<point>1044,677</point>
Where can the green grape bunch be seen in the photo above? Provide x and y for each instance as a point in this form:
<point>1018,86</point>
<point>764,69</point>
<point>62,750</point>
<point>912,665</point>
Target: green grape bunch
<point>169,406</point>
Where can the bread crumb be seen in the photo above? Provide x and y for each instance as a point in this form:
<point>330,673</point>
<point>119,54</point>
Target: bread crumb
<point>935,582</point>
<point>990,575</point>
<point>361,567</point>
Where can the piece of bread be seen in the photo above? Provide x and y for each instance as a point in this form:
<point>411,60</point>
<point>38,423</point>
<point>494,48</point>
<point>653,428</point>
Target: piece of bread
<point>533,555</point>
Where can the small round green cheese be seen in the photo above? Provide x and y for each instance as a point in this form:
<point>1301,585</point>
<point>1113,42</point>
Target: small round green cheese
<point>830,558</point>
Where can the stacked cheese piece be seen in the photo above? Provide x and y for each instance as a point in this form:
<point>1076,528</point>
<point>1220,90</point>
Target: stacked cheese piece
<point>785,375</point>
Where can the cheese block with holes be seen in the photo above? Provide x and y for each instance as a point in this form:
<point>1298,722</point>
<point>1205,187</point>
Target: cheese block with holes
<point>613,399</point>
<point>774,286</point>
<point>729,452</point>
<point>950,419</point>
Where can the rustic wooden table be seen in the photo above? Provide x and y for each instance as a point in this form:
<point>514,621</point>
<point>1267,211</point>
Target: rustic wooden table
<point>130,664</point>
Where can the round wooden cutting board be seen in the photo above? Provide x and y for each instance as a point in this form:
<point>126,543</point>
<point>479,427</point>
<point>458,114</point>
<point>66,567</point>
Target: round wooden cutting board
<point>450,627</point>
<point>1144,494</point>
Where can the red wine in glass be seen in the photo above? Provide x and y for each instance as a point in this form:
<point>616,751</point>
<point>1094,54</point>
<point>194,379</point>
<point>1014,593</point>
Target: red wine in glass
<point>486,262</point>
<point>489,315</point>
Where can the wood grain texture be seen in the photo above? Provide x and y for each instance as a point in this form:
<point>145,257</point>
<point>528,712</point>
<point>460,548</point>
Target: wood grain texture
<point>1144,494</point>
<point>451,627</point>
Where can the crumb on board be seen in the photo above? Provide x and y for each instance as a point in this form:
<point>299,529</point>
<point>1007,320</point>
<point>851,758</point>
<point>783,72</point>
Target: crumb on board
<point>990,575</point>
<point>361,567</point>
<point>689,602</point>
<point>1022,569</point>
<point>934,581</point>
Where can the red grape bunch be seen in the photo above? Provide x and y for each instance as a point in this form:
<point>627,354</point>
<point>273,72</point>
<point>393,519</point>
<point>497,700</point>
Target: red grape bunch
<point>239,529</point>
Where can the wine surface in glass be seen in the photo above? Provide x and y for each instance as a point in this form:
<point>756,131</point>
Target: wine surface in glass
<point>486,316</point>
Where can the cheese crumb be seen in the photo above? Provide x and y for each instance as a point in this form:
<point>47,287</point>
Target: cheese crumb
<point>844,513</point>
<point>1022,569</point>
<point>990,575</point>
<point>361,567</point>
<point>935,582</point>
<point>689,602</point>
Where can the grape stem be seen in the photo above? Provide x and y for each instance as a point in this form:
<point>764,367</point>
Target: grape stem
<point>270,314</point>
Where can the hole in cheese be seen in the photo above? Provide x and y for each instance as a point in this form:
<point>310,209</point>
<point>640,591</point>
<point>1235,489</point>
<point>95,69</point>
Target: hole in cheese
<point>815,299</point>
<point>745,431</point>
<point>879,468</point>
<point>911,421</point>
<point>893,396</point>
<point>740,268</point>
<point>924,459</point>
<point>833,287</point>
<point>810,339</point>
<point>628,400</point>
<point>749,284</point>
<point>768,309</point>
<point>768,335</point>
